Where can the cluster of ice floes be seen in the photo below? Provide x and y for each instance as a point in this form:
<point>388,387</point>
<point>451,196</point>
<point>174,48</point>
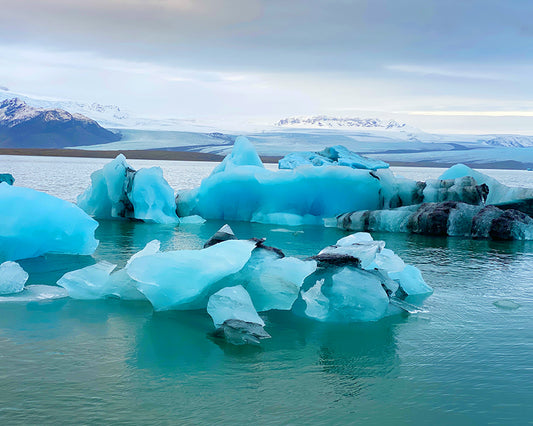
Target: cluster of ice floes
<point>357,279</point>
<point>117,191</point>
<point>332,156</point>
<point>34,223</point>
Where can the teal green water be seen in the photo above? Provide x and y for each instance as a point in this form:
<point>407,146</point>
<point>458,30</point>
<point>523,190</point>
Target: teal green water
<point>465,361</point>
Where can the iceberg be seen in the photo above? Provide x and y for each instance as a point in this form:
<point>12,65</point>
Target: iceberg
<point>246,191</point>
<point>358,279</point>
<point>447,218</point>
<point>118,191</point>
<point>99,281</point>
<point>12,278</point>
<point>36,293</point>
<point>337,155</point>
<point>239,332</point>
<point>35,223</point>
<point>498,192</point>
<point>184,279</point>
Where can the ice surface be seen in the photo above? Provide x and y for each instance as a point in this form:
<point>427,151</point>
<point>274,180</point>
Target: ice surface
<point>99,281</point>
<point>337,155</point>
<point>290,197</point>
<point>411,281</point>
<point>117,191</point>
<point>232,303</point>
<point>34,223</point>
<point>317,305</point>
<point>12,278</point>
<point>192,220</point>
<point>365,251</point>
<point>271,281</point>
<point>356,295</point>
<point>36,293</point>
<point>184,279</point>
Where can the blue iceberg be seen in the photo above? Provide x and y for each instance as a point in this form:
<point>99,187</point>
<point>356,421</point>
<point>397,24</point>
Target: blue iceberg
<point>118,191</point>
<point>34,223</point>
<point>184,279</point>
<point>337,155</point>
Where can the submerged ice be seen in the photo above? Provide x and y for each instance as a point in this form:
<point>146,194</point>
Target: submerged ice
<point>34,223</point>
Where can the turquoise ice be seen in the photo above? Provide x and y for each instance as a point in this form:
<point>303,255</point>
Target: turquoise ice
<point>34,223</point>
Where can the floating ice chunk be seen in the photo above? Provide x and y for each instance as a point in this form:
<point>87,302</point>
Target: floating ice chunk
<point>411,281</point>
<point>242,154</point>
<point>506,304</point>
<point>36,293</point>
<point>273,282</point>
<point>356,295</point>
<point>498,193</point>
<point>317,305</point>
<point>34,223</point>
<point>12,278</point>
<point>232,303</point>
<point>99,281</point>
<point>358,237</point>
<point>192,220</point>
<point>184,279</point>
<point>117,190</point>
<point>388,261</point>
<point>333,156</point>
<point>91,282</point>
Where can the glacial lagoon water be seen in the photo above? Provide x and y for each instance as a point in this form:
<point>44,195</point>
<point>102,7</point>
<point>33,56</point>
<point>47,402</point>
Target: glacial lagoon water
<point>467,360</point>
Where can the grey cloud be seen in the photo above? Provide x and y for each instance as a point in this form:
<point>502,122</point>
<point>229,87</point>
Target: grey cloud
<point>351,36</point>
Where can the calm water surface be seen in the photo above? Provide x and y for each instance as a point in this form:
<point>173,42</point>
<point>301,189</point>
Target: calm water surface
<point>465,361</point>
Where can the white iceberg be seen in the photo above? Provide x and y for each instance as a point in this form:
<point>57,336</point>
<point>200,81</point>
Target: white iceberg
<point>12,278</point>
<point>34,223</point>
<point>117,191</point>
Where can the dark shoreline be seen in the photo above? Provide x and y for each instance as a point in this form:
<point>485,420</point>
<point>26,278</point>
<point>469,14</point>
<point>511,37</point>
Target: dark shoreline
<point>200,156</point>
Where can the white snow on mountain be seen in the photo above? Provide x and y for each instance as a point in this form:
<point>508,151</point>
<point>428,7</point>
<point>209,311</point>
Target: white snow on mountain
<point>510,141</point>
<point>15,111</point>
<point>326,122</point>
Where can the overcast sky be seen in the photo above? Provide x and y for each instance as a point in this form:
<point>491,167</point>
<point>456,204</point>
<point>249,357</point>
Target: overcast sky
<point>442,65</point>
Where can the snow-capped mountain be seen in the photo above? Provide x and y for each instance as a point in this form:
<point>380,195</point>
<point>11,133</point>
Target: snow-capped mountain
<point>110,116</point>
<point>325,122</point>
<point>511,141</point>
<point>24,126</point>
